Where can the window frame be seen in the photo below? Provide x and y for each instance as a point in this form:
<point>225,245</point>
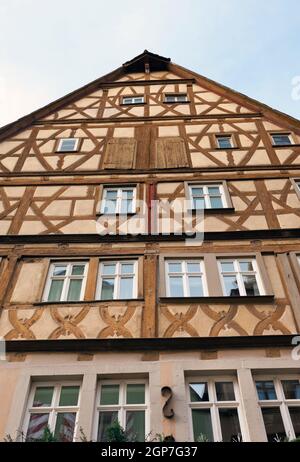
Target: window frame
<point>185,275</point>
<point>175,95</point>
<point>225,135</point>
<point>214,405</point>
<point>133,97</point>
<point>225,196</point>
<point>60,143</point>
<point>66,278</point>
<point>117,278</point>
<point>288,134</point>
<point>239,275</point>
<point>54,409</point>
<point>122,407</point>
<point>118,188</point>
<point>281,402</point>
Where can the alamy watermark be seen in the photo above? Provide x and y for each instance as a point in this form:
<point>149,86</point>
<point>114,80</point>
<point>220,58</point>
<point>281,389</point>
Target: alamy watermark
<point>296,349</point>
<point>2,349</point>
<point>296,88</point>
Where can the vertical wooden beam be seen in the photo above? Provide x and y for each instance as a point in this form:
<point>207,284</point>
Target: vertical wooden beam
<point>91,282</point>
<point>9,269</point>
<point>149,320</point>
<point>266,202</point>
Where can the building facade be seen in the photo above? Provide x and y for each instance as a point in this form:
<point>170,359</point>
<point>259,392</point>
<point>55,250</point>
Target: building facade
<point>110,308</point>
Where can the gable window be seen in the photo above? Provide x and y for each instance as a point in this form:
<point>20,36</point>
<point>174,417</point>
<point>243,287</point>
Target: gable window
<point>118,200</point>
<point>207,196</point>
<point>185,278</point>
<point>125,401</point>
<point>214,409</point>
<point>133,100</point>
<point>281,139</point>
<point>224,141</point>
<point>117,280</point>
<point>279,399</point>
<point>68,145</point>
<point>55,406</point>
<point>66,281</point>
<point>240,277</point>
<point>180,98</point>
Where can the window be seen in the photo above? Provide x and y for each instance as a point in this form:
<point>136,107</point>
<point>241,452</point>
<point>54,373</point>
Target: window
<point>185,278</point>
<point>66,281</point>
<point>126,402</point>
<point>182,98</point>
<point>279,399</point>
<point>55,406</point>
<point>240,277</point>
<point>68,145</point>
<point>207,196</point>
<point>133,100</point>
<point>214,410</point>
<point>118,200</point>
<point>117,280</point>
<point>224,141</point>
<point>281,139</point>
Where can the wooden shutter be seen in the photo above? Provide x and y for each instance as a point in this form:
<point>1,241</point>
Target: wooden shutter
<point>120,153</point>
<point>171,153</point>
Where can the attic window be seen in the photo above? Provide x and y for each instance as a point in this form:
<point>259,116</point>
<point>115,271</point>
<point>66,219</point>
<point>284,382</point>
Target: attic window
<point>179,98</point>
<point>133,100</point>
<point>224,141</point>
<point>68,145</point>
<point>281,139</point>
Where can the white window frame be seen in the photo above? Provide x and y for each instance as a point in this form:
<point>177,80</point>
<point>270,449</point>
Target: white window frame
<point>119,190</point>
<point>174,98</point>
<point>122,407</point>
<point>281,402</point>
<point>117,278</point>
<point>185,274</point>
<point>61,141</point>
<point>215,405</point>
<point>67,278</point>
<point>288,135</point>
<point>224,136</point>
<point>206,194</point>
<point>54,409</point>
<point>239,274</point>
<point>133,100</point>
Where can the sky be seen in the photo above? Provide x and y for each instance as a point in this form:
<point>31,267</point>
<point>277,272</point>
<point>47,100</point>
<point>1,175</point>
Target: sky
<point>49,48</point>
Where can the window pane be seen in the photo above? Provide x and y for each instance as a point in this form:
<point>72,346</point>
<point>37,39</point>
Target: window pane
<point>193,267</point>
<point>64,428</point>
<point>176,286</point>
<point>195,286</point>
<point>273,424</point>
<point>78,270</point>
<point>59,270</point>
<point>224,142</point>
<point>291,389</point>
<point>55,290</point>
<point>126,206</point>
<point>246,265</point>
<point>135,425</point>
<point>135,393</point>
<point>225,391</point>
<point>227,266</point>
<point>198,392</point>
<point>126,288</point>
<point>266,390</point>
<point>213,190</point>
<point>202,424</point>
<point>199,203</point>
<point>279,140</point>
<point>111,195</point>
<point>37,425</point>
<point>216,203</point>
<point>107,290</point>
<point>127,193</point>
<point>127,268</point>
<point>295,418</point>
<point>174,267</point>
<point>108,269</point>
<point>68,145</point>
<point>109,394</point>
<point>69,396</point>
<point>251,285</point>
<point>74,289</point>
<point>110,206</point>
<point>230,425</point>
<point>43,396</point>
<point>197,192</point>
<point>181,98</point>
<point>105,420</point>
<point>231,286</point>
